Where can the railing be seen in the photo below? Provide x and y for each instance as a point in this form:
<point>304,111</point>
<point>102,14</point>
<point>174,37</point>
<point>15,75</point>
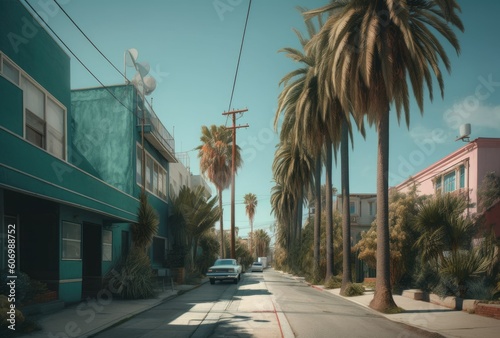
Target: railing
<point>354,219</point>
<point>158,129</point>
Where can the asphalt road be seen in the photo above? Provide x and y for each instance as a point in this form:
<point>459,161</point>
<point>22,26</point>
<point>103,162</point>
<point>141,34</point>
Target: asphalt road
<point>266,305</point>
<point>314,313</point>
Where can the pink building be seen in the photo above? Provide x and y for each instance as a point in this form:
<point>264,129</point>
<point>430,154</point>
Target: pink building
<point>462,170</point>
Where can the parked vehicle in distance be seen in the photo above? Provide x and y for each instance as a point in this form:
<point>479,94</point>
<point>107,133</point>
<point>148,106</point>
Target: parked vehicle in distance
<point>262,260</point>
<point>224,269</point>
<point>257,266</point>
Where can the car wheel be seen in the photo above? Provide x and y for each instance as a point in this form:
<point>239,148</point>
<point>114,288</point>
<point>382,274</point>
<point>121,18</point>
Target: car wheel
<point>235,281</point>
<point>212,281</point>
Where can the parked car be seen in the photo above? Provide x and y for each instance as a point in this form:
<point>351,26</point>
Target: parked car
<point>224,269</point>
<point>257,266</point>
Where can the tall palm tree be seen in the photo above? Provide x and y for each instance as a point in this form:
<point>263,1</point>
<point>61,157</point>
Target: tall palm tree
<point>215,154</point>
<point>368,50</point>
<point>292,167</point>
<point>250,201</point>
<point>317,121</point>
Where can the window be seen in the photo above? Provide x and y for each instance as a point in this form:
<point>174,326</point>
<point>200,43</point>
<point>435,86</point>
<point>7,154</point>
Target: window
<point>449,182</point>
<point>352,207</point>
<point>372,208</point>
<point>10,71</point>
<point>462,176</point>
<point>156,175</point>
<point>107,245</point>
<point>158,250</point>
<point>44,119</point>
<point>155,179</point>
<point>138,166</point>
<point>438,184</point>
<point>71,240</point>
<point>149,173</point>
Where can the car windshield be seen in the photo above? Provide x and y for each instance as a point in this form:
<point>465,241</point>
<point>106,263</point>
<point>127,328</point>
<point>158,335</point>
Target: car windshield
<point>224,262</point>
<point>257,263</point>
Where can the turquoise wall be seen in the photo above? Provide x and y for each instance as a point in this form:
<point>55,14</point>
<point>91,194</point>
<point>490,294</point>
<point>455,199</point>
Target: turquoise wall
<point>34,50</point>
<point>11,115</point>
<point>41,173</point>
<point>104,135</point>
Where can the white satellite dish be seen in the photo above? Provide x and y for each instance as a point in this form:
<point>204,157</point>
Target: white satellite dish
<point>149,83</point>
<point>131,56</point>
<point>145,84</point>
<point>142,68</point>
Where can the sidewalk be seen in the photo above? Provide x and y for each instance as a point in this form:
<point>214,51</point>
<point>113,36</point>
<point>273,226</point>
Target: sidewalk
<point>431,317</point>
<point>90,317</point>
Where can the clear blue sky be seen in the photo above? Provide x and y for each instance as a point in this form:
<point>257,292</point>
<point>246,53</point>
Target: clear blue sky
<point>193,45</point>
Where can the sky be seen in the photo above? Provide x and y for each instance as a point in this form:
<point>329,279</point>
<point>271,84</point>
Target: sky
<point>193,47</point>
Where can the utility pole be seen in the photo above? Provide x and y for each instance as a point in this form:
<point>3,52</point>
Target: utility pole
<point>233,174</point>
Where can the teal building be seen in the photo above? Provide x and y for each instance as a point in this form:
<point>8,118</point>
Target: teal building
<point>71,164</point>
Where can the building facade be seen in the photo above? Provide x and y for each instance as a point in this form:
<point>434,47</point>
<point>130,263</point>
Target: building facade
<point>461,171</point>
<point>70,164</point>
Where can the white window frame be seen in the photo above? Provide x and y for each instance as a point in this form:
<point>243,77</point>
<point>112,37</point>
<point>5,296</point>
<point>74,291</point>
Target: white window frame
<point>44,127</point>
<point>64,255</point>
<point>107,247</point>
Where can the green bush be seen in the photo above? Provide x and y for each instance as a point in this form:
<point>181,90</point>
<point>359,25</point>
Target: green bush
<point>137,280</point>
<point>333,282</point>
<point>354,289</point>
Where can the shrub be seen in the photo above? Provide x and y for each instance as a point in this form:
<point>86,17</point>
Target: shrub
<point>354,289</point>
<point>334,282</point>
<point>137,280</point>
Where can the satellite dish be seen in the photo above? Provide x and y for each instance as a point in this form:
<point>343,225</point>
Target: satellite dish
<point>465,131</point>
<point>142,68</point>
<point>145,84</point>
<point>149,85</point>
<point>131,56</point>
<point>137,80</point>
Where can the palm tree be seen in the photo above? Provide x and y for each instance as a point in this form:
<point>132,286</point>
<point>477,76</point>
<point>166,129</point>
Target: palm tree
<point>292,167</point>
<point>196,214</point>
<point>215,155</point>
<point>368,50</point>
<point>262,241</point>
<point>250,201</point>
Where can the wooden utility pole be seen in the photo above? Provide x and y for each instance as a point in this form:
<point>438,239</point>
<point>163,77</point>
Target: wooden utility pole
<point>233,174</point>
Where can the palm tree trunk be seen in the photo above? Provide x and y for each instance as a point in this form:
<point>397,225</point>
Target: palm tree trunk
<point>346,210</point>
<point>221,224</point>
<point>317,214</point>
<point>329,211</point>
<point>382,299</point>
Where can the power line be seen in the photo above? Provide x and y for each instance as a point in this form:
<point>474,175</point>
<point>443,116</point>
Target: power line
<point>239,58</point>
<point>78,59</point>
<point>89,40</point>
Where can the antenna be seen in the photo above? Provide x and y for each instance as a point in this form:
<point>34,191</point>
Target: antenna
<point>465,131</point>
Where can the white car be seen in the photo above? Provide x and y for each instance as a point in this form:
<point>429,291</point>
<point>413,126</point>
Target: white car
<point>224,269</point>
<point>257,266</point>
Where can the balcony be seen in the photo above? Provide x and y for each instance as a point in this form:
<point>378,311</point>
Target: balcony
<point>354,219</point>
<point>158,136</point>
